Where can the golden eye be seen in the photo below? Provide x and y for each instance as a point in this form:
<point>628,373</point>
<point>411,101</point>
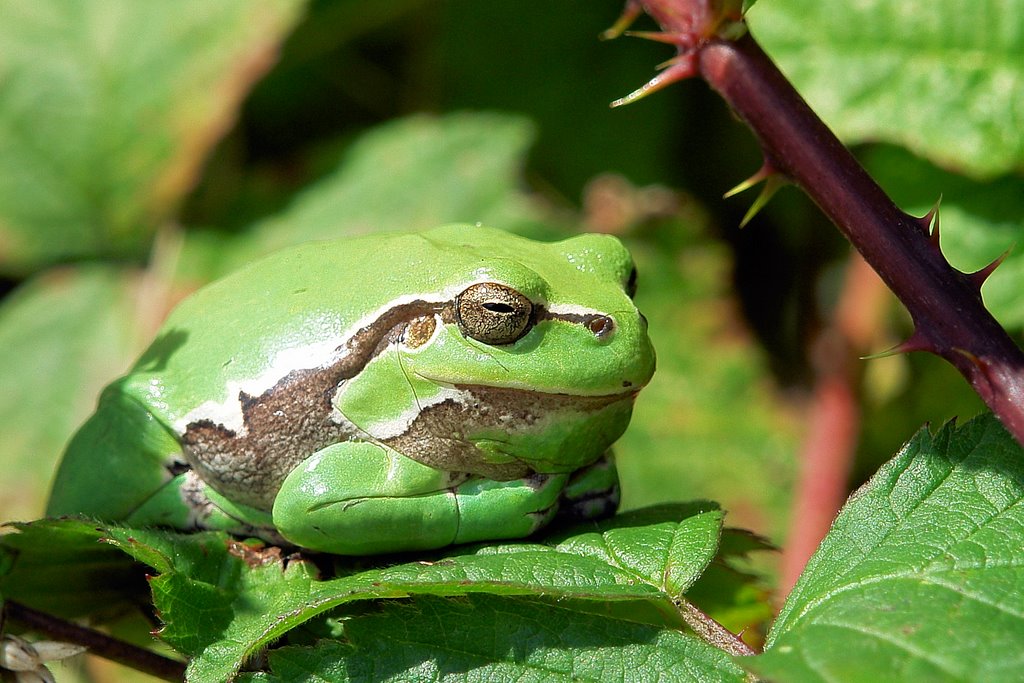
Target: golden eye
<point>493,313</point>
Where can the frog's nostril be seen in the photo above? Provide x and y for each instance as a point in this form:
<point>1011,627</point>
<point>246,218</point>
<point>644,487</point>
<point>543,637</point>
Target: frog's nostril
<point>602,326</point>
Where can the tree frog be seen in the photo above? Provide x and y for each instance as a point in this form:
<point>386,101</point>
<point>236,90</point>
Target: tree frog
<point>376,394</point>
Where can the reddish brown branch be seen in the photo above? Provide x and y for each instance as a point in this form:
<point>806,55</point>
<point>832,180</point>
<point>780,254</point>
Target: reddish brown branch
<point>945,304</point>
<point>99,644</point>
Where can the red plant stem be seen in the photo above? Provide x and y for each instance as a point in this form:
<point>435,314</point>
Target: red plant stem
<point>834,417</point>
<point>945,304</point>
<point>825,459</point>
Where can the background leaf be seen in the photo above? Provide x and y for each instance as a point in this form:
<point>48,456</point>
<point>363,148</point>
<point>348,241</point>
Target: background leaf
<point>411,174</point>
<point>686,435</point>
<point>107,110</point>
<point>920,577</point>
<point>65,335</point>
<point>946,84</point>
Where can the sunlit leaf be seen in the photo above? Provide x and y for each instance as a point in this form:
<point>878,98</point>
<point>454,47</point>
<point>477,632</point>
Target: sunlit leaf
<point>920,577</point>
<point>926,74</point>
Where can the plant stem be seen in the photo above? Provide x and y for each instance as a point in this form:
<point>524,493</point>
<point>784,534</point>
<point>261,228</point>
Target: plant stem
<point>99,644</point>
<point>834,418</point>
<point>946,307</point>
<point>711,631</point>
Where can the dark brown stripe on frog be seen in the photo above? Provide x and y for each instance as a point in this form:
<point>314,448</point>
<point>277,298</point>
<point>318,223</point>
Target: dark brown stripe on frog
<point>291,420</point>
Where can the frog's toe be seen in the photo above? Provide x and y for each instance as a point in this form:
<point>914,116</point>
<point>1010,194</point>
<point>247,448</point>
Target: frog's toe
<point>491,510</point>
<point>591,505</point>
<point>592,492</point>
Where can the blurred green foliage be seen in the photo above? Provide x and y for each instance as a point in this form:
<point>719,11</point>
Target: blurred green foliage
<point>145,154</point>
<point>146,150</point>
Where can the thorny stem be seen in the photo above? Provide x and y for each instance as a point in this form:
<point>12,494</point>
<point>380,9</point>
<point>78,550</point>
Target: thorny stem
<point>949,317</point>
<point>99,644</point>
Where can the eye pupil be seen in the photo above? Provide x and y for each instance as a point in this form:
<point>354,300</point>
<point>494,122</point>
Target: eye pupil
<point>495,307</point>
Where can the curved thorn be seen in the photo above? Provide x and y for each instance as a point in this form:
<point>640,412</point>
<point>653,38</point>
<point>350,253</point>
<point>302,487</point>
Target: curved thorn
<point>762,173</point>
<point>656,36</point>
<point>915,342</point>
<point>629,14</point>
<point>681,70</point>
<point>772,184</point>
<point>929,222</point>
<point>681,58</point>
<point>978,277</point>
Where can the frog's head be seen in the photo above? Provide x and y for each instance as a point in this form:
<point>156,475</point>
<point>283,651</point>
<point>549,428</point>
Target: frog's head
<point>528,358</point>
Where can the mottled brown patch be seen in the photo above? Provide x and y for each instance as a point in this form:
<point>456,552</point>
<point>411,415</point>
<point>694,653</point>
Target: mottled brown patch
<point>255,555</point>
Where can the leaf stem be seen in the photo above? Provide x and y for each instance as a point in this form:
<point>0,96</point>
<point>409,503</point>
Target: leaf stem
<point>946,307</point>
<point>99,644</point>
<point>711,631</point>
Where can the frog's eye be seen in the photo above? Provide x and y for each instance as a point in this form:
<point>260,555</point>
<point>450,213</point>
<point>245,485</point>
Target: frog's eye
<point>631,283</point>
<point>493,313</point>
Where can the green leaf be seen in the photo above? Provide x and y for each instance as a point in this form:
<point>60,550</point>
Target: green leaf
<point>667,546</point>
<point>499,639</point>
<point>61,567</point>
<point>64,336</point>
<point>979,221</point>
<point>730,593</point>
<point>270,601</point>
<point>920,577</point>
<point>222,601</point>
<point>107,110</point>
<point>412,174</point>
<point>946,83</point>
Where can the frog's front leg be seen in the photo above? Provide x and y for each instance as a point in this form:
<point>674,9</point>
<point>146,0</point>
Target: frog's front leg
<point>358,498</point>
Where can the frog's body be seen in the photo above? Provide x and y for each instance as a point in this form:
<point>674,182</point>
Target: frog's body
<point>375,394</point>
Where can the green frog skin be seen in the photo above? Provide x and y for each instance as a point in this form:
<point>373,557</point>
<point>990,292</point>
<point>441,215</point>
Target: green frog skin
<point>376,394</point>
